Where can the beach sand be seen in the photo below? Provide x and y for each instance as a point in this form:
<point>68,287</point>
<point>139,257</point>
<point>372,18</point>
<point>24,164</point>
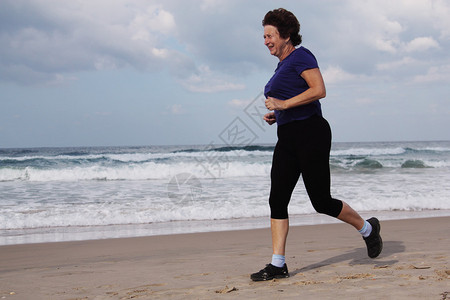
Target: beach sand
<point>325,262</point>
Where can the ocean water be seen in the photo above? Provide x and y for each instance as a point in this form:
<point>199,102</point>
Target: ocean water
<point>58,194</point>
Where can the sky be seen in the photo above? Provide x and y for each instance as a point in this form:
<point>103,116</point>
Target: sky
<point>176,72</point>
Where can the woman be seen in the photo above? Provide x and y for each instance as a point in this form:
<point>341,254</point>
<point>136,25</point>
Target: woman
<point>304,141</point>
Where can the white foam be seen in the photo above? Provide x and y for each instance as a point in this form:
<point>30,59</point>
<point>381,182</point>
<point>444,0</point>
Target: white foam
<point>368,151</point>
<point>144,171</point>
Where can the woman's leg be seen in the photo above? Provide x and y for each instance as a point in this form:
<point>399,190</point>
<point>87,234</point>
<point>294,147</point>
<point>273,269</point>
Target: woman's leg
<point>316,175</point>
<point>350,216</point>
<point>284,176</point>
<point>317,183</point>
<point>280,229</point>
<point>314,157</point>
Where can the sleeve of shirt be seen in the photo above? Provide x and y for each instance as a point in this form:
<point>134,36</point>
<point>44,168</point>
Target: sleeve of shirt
<point>304,60</point>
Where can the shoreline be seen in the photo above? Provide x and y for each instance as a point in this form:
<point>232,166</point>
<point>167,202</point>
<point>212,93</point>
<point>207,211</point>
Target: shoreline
<point>85,233</point>
<point>327,261</point>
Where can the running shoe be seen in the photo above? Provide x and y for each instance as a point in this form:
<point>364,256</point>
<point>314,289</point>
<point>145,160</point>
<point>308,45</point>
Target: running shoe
<point>374,242</point>
<point>270,272</point>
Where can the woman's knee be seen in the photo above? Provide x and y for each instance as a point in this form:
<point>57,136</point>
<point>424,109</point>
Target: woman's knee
<point>331,207</point>
<point>278,209</point>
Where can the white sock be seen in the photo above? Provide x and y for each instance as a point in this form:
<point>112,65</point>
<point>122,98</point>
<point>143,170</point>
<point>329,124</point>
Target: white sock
<point>366,230</point>
<point>278,260</point>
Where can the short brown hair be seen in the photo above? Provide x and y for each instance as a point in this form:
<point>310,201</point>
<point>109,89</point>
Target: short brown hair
<point>286,23</point>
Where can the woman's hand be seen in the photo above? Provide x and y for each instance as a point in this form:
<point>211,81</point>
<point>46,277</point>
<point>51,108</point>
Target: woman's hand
<point>275,104</point>
<point>270,118</point>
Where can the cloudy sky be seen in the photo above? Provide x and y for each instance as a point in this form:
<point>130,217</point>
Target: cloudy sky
<point>129,72</point>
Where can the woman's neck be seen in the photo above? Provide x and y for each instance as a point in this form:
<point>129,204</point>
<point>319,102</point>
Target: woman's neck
<point>286,51</point>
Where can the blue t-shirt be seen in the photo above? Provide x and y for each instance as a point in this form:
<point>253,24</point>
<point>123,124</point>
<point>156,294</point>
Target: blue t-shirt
<point>287,83</point>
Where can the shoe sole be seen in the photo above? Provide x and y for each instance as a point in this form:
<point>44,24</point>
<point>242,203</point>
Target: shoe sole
<point>271,278</point>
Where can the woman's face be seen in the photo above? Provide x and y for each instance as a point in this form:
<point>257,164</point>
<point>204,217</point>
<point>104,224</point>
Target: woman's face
<point>273,41</point>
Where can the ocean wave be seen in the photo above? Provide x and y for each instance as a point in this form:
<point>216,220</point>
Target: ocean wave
<point>74,153</point>
<point>414,164</point>
<point>249,148</point>
<point>145,171</point>
<point>430,150</point>
<point>164,168</point>
<point>368,164</point>
<point>368,151</point>
<point>132,157</point>
<point>17,152</point>
<point>227,148</point>
<point>144,163</point>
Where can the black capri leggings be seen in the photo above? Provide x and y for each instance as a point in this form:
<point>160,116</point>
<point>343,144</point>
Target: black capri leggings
<point>303,147</point>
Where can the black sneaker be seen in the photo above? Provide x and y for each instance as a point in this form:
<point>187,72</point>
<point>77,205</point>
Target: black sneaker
<point>270,272</point>
<point>373,241</point>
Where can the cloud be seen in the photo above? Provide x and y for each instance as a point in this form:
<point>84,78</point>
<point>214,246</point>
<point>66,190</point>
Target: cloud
<point>211,45</point>
<point>391,41</point>
<point>63,38</point>
<point>153,20</point>
<point>404,62</point>
<point>335,74</point>
<point>421,44</point>
<point>224,35</point>
<point>386,36</point>
<point>213,5</point>
<point>206,81</point>
<point>435,74</point>
<point>48,41</point>
<point>238,103</point>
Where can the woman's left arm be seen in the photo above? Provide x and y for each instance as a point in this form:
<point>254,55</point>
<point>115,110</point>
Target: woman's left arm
<point>316,91</point>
